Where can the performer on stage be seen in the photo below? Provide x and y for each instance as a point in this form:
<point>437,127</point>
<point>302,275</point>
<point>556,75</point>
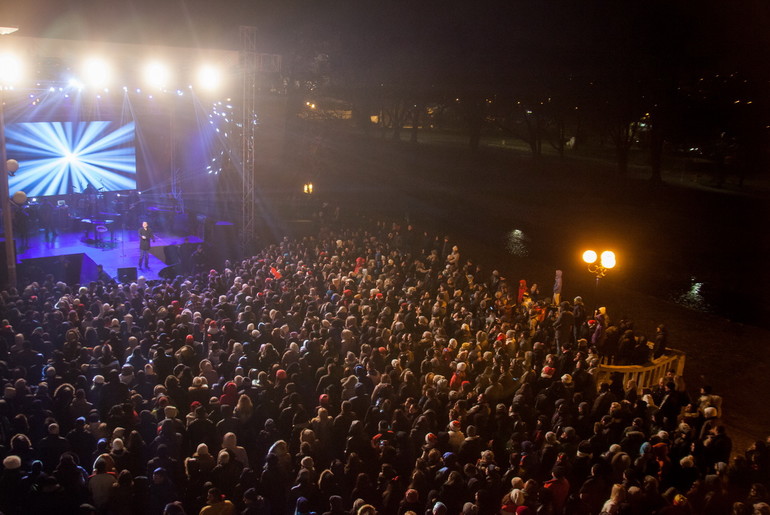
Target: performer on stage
<point>145,236</point>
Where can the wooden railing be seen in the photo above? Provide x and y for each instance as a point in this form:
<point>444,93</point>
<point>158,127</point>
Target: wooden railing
<point>646,376</point>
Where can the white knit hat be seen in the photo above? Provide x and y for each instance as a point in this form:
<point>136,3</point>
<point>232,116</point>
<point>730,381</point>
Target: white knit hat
<point>12,462</point>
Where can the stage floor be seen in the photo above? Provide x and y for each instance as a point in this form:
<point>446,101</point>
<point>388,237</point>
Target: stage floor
<point>121,250</point>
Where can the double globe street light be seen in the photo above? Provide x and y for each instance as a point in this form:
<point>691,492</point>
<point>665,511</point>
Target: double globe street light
<point>599,265</point>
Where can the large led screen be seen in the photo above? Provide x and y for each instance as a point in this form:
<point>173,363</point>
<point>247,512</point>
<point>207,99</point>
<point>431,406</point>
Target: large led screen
<point>58,158</point>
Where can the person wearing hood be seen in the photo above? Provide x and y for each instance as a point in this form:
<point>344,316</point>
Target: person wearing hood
<point>201,430</point>
<point>51,447</point>
<point>120,455</point>
<point>230,443</point>
<point>229,394</point>
<point>217,504</point>
<point>11,494</point>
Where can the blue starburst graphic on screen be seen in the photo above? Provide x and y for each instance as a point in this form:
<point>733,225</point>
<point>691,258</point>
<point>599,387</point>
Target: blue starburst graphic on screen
<point>58,158</point>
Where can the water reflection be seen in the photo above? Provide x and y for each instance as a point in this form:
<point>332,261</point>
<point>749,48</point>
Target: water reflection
<point>693,297</point>
<point>517,243</point>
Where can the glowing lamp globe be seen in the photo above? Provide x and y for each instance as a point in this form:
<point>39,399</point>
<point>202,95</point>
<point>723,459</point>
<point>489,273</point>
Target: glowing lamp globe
<point>12,165</point>
<point>608,259</point>
<point>19,198</point>
<point>589,256</point>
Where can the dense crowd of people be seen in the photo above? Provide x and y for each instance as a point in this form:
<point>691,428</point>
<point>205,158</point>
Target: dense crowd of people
<point>355,372</point>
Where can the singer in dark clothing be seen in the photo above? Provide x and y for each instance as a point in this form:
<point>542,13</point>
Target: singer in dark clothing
<point>145,236</point>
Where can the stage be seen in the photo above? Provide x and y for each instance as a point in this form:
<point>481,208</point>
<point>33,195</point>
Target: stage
<point>114,249</point>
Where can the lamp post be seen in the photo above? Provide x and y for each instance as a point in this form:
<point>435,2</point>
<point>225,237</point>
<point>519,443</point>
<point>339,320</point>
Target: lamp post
<point>599,265</point>
<point>10,250</point>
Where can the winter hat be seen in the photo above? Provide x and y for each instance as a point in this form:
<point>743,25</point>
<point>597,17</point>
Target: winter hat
<point>547,372</point>
<point>566,379</point>
<point>12,462</point>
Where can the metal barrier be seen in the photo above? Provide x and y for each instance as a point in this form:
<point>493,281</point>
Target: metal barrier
<point>646,376</point>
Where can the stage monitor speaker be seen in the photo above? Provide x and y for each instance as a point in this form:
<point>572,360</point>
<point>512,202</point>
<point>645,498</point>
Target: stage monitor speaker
<point>127,275</point>
<point>178,254</point>
<point>169,272</point>
<point>69,268</point>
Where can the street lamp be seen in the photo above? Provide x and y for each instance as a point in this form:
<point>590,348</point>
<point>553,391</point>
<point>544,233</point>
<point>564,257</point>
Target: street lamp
<point>599,265</point>
<point>6,166</point>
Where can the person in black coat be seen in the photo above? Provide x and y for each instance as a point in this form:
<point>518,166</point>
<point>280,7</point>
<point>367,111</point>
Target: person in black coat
<point>145,236</point>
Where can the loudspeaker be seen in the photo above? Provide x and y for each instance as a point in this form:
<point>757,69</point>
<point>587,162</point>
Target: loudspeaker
<point>69,268</point>
<point>169,272</point>
<point>3,263</point>
<point>223,242</point>
<point>127,275</point>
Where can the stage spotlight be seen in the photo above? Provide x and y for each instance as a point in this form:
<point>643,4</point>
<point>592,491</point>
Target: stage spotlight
<point>209,77</point>
<point>157,74</point>
<point>96,72</point>
<point>12,69</point>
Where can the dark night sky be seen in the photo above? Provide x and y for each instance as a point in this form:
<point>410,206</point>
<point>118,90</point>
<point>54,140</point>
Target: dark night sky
<point>726,30</point>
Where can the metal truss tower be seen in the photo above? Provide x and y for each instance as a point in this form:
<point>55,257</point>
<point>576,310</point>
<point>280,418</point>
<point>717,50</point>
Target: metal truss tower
<point>248,58</point>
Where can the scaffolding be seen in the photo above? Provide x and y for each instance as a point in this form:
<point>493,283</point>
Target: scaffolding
<point>248,62</point>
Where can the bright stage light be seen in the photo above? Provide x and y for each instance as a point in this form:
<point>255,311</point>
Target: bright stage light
<point>96,72</point>
<point>209,77</point>
<point>12,69</point>
<point>157,74</point>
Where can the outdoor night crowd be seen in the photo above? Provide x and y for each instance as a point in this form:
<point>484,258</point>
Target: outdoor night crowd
<point>351,373</point>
